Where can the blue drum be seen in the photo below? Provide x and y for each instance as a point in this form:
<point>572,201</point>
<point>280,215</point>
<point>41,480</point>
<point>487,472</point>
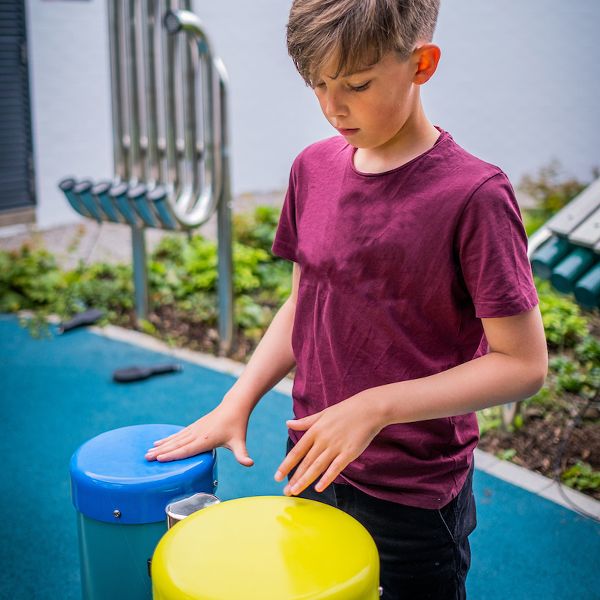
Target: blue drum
<point>120,499</point>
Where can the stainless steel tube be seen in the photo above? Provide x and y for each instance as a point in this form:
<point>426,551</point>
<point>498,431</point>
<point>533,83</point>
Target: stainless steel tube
<point>187,194</point>
<point>149,18</point>
<point>133,100</point>
<point>169,45</point>
<point>140,273</point>
<point>115,38</point>
<point>180,509</point>
<point>194,211</point>
<point>224,236</point>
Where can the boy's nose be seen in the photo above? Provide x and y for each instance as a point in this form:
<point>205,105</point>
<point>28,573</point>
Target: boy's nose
<point>334,107</point>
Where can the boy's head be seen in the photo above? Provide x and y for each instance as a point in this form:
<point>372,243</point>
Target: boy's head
<point>356,32</point>
<point>365,60</point>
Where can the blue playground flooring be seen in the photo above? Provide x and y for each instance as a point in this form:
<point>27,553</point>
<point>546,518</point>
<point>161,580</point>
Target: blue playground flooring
<point>57,393</point>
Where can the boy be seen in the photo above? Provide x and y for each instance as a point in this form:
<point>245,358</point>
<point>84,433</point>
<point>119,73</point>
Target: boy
<point>412,304</point>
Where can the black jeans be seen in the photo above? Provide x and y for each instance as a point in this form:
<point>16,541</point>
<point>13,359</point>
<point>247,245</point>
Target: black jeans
<point>423,553</point>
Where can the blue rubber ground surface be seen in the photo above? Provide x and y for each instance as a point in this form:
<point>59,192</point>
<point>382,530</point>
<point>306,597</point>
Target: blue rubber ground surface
<point>57,393</point>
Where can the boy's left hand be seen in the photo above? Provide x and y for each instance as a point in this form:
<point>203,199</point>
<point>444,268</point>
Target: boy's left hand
<point>334,438</point>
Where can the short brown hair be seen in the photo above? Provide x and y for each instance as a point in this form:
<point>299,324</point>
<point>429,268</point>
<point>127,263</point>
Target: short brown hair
<point>359,31</point>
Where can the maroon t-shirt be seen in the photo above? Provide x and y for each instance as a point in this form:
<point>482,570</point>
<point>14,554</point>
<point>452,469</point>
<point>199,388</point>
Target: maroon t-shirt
<point>397,269</point>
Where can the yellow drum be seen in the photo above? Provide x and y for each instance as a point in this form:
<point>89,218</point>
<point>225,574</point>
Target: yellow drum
<point>266,548</point>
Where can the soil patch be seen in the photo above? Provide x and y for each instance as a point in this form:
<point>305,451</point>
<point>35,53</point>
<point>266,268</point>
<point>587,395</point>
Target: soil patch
<point>550,442</point>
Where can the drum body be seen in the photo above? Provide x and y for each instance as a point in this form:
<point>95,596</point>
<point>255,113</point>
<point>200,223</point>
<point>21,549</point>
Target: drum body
<point>267,548</point>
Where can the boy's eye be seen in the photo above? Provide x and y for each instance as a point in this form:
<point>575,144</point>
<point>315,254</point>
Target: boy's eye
<point>353,88</point>
<point>360,88</point>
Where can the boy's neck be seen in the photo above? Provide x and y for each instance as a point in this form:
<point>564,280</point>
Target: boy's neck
<point>416,136</point>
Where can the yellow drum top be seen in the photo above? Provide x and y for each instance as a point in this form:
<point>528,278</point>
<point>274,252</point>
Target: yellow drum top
<point>266,548</point>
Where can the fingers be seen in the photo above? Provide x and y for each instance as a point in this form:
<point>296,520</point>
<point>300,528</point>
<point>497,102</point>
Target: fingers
<point>315,462</point>
<point>185,443</point>
<point>185,451</point>
<point>335,468</point>
<point>238,447</point>
<point>177,442</point>
<point>293,457</point>
<point>170,437</point>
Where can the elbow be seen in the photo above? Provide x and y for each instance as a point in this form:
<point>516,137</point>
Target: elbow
<point>544,368</point>
<point>539,374</point>
<point>538,384</point>
<point>531,376</point>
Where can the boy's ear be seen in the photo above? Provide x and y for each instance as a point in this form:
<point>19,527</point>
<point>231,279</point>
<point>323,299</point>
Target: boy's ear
<point>427,58</point>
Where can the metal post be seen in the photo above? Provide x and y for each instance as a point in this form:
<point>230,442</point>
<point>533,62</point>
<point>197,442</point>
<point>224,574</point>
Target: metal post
<point>140,272</point>
<point>225,279</point>
<point>224,230</point>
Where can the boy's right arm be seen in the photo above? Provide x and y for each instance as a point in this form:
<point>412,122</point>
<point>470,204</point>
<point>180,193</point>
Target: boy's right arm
<point>227,424</point>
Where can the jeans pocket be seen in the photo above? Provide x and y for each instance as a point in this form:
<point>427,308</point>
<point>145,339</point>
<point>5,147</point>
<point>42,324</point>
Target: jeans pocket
<point>458,517</point>
<point>448,522</point>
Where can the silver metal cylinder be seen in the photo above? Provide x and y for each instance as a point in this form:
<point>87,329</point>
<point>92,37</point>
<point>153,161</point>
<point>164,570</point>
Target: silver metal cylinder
<point>195,203</point>
<point>132,88</point>
<point>177,511</point>
<point>115,31</point>
<point>148,26</point>
<point>224,232</point>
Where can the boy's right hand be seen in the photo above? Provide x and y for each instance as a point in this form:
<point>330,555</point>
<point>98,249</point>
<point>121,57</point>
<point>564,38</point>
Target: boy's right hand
<point>223,426</point>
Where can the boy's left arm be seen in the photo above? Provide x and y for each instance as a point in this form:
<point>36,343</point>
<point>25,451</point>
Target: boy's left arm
<point>515,368</point>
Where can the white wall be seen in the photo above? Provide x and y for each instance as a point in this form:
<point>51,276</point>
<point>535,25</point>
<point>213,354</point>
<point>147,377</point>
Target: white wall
<point>517,85</point>
<point>70,97</point>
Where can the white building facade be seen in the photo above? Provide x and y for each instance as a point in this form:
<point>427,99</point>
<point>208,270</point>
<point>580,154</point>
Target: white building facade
<point>517,85</point>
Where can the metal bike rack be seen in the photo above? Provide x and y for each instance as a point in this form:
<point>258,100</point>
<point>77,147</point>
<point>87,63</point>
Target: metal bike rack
<point>170,138</point>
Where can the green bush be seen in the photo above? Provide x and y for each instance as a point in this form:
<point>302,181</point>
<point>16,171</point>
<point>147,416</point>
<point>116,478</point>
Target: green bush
<point>564,324</point>
<point>182,272</point>
<point>29,279</point>
<point>256,229</point>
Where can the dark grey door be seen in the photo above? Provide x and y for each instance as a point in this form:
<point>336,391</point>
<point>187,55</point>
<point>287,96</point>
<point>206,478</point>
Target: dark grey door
<point>17,190</point>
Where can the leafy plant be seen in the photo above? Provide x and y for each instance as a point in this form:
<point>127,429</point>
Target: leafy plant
<point>564,324</point>
<point>507,454</point>
<point>544,398</point>
<point>582,477</point>
<point>489,419</point>
<point>257,229</point>
<point>29,279</point>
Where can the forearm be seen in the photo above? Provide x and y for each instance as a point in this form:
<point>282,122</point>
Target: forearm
<point>489,380</point>
<point>272,359</point>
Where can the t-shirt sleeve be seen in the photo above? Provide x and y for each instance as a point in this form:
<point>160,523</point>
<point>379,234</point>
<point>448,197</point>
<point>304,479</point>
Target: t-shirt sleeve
<point>285,242</point>
<point>492,250</point>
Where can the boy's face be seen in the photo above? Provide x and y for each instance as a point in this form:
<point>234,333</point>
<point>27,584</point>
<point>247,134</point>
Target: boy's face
<point>374,104</point>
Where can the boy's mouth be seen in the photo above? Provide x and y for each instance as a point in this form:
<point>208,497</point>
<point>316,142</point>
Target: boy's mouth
<point>346,131</point>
